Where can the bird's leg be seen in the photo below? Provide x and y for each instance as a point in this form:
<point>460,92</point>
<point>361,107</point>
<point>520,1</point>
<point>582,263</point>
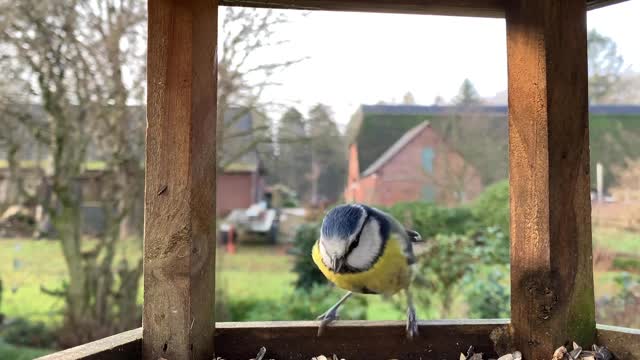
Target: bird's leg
<point>331,314</point>
<point>412,322</point>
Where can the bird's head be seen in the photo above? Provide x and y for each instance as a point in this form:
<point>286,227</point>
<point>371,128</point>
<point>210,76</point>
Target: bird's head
<point>352,237</point>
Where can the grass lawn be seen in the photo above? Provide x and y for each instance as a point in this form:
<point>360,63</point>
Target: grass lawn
<point>8,351</point>
<point>26,265</point>
<point>616,240</point>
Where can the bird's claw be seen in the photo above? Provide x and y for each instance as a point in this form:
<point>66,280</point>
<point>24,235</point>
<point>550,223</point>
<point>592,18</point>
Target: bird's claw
<point>326,318</point>
<point>412,324</point>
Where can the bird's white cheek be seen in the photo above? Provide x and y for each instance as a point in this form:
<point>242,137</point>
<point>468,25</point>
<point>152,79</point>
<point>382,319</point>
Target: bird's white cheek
<point>364,255</point>
<point>326,259</point>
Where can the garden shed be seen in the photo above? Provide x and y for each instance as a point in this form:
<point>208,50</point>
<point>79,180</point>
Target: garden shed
<point>552,286</point>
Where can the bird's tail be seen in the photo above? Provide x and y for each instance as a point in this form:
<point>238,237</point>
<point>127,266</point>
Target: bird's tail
<point>414,236</point>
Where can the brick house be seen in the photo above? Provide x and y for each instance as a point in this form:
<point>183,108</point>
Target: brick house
<point>238,187</point>
<point>242,183</point>
<point>417,166</point>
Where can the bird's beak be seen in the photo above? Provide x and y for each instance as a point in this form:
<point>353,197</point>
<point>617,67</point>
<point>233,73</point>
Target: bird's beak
<point>338,263</point>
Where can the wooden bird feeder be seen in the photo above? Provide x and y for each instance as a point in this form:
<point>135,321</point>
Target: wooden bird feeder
<point>552,296</point>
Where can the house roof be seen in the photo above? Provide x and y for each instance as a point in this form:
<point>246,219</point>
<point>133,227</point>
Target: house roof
<point>239,134</point>
<point>395,148</point>
<point>485,109</point>
<point>429,109</point>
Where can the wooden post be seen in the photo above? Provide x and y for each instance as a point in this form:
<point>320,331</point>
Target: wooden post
<point>179,231</point>
<point>552,298</point>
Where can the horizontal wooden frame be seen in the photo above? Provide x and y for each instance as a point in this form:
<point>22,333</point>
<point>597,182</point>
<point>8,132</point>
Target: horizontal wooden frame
<point>299,340</point>
<point>475,8</point>
<point>125,345</point>
<point>442,339</point>
<point>348,339</point>
<point>623,342</point>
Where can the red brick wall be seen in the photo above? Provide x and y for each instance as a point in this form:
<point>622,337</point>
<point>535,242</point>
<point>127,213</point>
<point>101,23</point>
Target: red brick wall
<point>403,178</point>
<point>352,192</point>
<point>234,191</point>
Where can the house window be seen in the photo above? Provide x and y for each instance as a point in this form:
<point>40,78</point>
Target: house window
<point>429,193</point>
<point>427,159</point>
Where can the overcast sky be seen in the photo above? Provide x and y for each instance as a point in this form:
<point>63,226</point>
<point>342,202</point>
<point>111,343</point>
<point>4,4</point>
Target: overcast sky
<point>362,58</point>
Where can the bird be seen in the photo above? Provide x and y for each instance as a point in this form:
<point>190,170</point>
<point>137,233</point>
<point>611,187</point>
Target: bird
<point>364,250</point>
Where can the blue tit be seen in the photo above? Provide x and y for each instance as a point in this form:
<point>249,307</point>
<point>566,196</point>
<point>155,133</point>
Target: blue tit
<point>364,250</point>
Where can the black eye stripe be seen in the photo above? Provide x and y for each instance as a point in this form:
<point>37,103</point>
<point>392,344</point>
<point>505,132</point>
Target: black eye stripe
<point>355,242</point>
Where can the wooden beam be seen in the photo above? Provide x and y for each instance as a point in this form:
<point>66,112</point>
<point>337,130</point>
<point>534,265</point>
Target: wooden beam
<point>355,339</point>
<point>249,336</point>
<point>478,8</point>
<point>624,343</point>
<point>286,340</point>
<point>179,231</point>
<point>597,4</point>
<point>474,8</point>
<point>552,297</point>
<point>123,346</point>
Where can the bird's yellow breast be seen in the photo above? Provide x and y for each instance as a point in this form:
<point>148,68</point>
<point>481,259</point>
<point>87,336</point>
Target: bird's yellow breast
<point>388,275</point>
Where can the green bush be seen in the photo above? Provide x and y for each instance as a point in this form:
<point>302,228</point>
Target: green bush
<point>488,297</point>
<point>300,305</point>
<point>491,246</point>
<point>491,208</point>
<point>306,270</point>
<point>250,309</point>
<point>442,266</point>
<point>621,309</point>
<point>448,261</point>
<point>21,332</point>
<point>430,220</point>
<point>626,264</point>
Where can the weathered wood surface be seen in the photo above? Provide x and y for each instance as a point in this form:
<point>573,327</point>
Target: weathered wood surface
<point>552,297</point>
<point>476,8</point>
<point>179,235</point>
<point>247,337</point>
<point>123,346</point>
<point>624,343</point>
<point>596,4</point>
<point>284,340</point>
<point>354,339</point>
<point>481,8</point>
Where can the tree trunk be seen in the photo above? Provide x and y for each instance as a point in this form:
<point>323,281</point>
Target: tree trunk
<point>13,183</point>
<point>446,303</point>
<point>67,224</point>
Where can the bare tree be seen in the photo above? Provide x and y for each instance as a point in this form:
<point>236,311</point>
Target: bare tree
<point>242,79</point>
<point>13,134</point>
<point>605,67</point>
<point>72,54</point>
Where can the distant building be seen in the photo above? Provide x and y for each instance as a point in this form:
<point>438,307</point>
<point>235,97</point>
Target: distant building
<point>238,187</point>
<point>419,166</point>
<point>394,156</point>
<point>242,183</point>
